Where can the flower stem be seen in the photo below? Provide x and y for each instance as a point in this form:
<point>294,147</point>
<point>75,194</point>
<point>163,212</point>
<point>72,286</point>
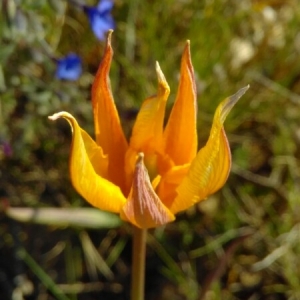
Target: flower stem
<point>138,263</point>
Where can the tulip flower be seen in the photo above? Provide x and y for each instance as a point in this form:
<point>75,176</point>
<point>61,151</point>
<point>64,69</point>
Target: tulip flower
<point>159,172</point>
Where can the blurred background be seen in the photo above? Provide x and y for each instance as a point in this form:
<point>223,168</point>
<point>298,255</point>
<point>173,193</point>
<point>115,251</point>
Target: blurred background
<point>244,241</point>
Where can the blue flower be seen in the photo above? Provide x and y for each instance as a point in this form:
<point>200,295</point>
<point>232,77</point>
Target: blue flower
<point>100,18</point>
<point>69,67</point>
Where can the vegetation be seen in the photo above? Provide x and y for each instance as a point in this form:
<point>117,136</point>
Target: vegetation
<point>244,241</point>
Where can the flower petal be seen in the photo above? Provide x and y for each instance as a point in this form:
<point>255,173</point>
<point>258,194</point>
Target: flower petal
<point>180,135</point>
<point>105,6</point>
<point>101,24</point>
<point>109,133</point>
<point>69,67</point>
<point>100,18</point>
<point>87,165</point>
<point>169,182</point>
<point>143,207</point>
<point>148,128</point>
<point>210,168</point>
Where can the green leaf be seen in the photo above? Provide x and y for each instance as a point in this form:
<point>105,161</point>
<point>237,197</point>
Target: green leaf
<point>65,217</point>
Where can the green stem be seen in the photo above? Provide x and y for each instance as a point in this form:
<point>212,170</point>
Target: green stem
<point>138,263</point>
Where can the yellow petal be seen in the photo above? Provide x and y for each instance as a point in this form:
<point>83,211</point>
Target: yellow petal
<point>210,168</point>
<point>180,136</point>
<point>108,130</point>
<point>86,162</point>
<point>148,128</point>
<point>143,207</point>
<point>98,160</point>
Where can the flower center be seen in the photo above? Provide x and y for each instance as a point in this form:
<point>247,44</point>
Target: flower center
<point>150,161</point>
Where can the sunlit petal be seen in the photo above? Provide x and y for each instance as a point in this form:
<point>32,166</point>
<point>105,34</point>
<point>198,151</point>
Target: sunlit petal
<point>86,162</point>
<point>98,160</point>
<point>180,136</point>
<point>109,133</point>
<point>169,182</point>
<point>143,207</point>
<point>148,128</point>
<point>210,169</point>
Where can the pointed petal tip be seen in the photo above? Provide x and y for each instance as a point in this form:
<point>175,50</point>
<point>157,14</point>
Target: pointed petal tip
<point>243,90</point>
<point>231,101</point>
<point>160,74</point>
<point>186,60</point>
<point>140,157</point>
<point>109,34</point>
<point>161,78</point>
<point>53,117</point>
<point>157,68</point>
<point>108,51</point>
<point>240,93</point>
<point>62,114</point>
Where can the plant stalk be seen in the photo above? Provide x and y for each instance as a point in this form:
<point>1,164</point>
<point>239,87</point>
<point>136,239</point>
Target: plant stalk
<point>138,264</point>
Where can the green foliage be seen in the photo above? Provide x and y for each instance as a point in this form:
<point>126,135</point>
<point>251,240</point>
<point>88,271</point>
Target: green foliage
<point>243,242</point>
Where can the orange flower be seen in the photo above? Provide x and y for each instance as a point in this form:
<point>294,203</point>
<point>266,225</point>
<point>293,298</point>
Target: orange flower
<point>159,172</point>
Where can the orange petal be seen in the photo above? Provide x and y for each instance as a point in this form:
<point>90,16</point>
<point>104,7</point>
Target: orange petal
<point>87,165</point>
<point>143,207</point>
<point>109,133</point>
<point>148,128</point>
<point>169,182</point>
<point>210,168</point>
<point>180,136</point>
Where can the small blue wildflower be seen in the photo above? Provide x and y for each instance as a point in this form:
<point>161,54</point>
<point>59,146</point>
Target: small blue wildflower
<point>100,18</point>
<point>69,67</point>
